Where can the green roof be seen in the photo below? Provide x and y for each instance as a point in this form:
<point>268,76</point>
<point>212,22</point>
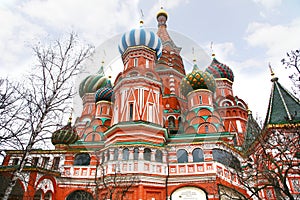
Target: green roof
<point>253,130</point>
<point>284,107</point>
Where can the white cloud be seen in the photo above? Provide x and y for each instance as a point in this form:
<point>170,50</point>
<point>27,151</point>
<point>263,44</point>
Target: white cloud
<point>224,50</point>
<point>25,22</point>
<point>269,7</point>
<point>95,19</point>
<point>269,4</point>
<point>15,36</point>
<point>277,39</point>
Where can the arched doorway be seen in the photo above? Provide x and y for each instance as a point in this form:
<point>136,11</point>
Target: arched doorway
<point>189,193</point>
<point>80,195</point>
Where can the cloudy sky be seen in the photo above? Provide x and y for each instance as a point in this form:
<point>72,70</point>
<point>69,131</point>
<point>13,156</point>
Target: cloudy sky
<point>246,34</point>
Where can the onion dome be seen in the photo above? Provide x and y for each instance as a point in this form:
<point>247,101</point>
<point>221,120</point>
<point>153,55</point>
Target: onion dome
<point>66,135</point>
<point>104,93</point>
<point>197,80</point>
<point>93,82</point>
<point>162,12</point>
<point>220,70</point>
<point>141,37</point>
<point>161,16</point>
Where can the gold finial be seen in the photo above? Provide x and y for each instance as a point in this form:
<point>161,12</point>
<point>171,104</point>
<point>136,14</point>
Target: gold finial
<point>70,118</point>
<point>212,50</point>
<point>249,111</point>
<point>142,18</point>
<point>272,73</point>
<point>194,57</point>
<point>271,70</point>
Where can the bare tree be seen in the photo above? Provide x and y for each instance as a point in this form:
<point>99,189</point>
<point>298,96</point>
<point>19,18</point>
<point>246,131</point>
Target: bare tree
<point>46,95</point>
<point>11,105</point>
<point>293,62</point>
<point>112,185</point>
<point>275,161</point>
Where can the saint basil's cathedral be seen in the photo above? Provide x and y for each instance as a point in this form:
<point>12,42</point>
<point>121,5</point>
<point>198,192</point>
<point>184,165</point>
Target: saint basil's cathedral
<point>156,133</point>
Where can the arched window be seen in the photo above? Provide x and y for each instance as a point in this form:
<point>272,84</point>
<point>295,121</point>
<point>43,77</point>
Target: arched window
<point>82,159</point>
<point>135,153</point>
<point>158,156</point>
<point>198,155</point>
<point>126,154</point>
<point>206,128</point>
<point>182,156</point>
<point>171,122</point>
<point>226,158</point>
<point>147,154</point>
<point>116,154</point>
<point>80,195</point>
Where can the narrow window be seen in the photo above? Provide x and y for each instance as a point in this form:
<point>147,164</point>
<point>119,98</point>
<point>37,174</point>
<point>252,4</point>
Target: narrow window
<point>130,111</point>
<point>206,128</point>
<point>135,154</point>
<point>116,154</point>
<point>200,99</point>
<point>147,63</point>
<point>108,155</point>
<point>15,161</point>
<point>55,164</point>
<point>182,156</point>
<point>223,92</point>
<point>171,122</point>
<point>135,62</point>
<point>147,154</point>
<point>126,154</point>
<point>158,156</point>
<point>103,158</point>
<point>45,162</point>
<point>198,155</point>
<point>35,161</point>
<point>93,137</point>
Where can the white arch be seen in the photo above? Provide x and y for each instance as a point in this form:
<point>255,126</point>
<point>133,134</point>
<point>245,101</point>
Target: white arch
<point>189,193</point>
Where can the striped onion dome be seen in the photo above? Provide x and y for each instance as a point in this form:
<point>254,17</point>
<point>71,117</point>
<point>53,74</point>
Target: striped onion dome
<point>104,93</point>
<point>66,135</point>
<point>92,83</point>
<point>197,80</point>
<point>141,37</point>
<point>220,70</point>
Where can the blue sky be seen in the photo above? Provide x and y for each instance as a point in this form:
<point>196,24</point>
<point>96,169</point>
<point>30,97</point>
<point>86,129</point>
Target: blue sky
<point>246,34</point>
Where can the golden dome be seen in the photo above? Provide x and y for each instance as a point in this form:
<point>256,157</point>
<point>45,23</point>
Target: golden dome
<point>162,12</point>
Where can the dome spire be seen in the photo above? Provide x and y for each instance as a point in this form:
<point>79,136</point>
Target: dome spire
<point>101,70</point>
<point>195,67</point>
<point>142,19</point>
<point>70,118</point>
<point>213,55</point>
<point>274,78</point>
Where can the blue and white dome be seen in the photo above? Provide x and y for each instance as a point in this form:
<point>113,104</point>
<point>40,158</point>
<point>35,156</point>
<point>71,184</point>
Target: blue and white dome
<point>141,37</point>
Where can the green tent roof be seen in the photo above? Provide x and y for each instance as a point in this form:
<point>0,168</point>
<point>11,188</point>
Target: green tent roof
<point>284,107</point>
